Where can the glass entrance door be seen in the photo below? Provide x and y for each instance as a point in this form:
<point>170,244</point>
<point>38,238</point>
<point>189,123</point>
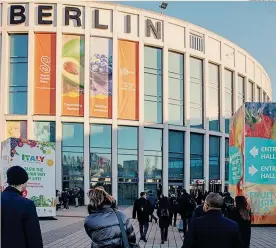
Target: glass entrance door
<point>175,188</point>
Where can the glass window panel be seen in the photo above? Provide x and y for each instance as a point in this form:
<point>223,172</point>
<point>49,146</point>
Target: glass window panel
<point>196,156</point>
<point>17,129</point>
<point>19,45</point>
<point>45,131</point>
<point>19,74</point>
<point>153,84</point>
<point>214,157</point>
<point>176,114</point>
<point>127,138</point>
<point>16,103</point>
<point>100,136</point>
<point>127,193</point>
<point>196,119</point>
<point>72,134</point>
<point>100,154</point>
<point>176,142</point>
<point>128,166</point>
<point>176,63</point>
<point>196,68</point>
<point>72,155</point>
<point>153,139</point>
<point>153,57</point>
<point>176,88</point>
<point>196,94</point>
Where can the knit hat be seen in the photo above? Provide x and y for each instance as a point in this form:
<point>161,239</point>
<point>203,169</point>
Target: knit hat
<point>17,175</point>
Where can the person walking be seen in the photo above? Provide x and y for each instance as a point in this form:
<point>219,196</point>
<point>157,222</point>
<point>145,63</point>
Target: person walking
<point>152,200</point>
<point>142,208</point>
<point>20,225</point>
<point>213,230</point>
<point>186,207</point>
<point>173,209</point>
<point>65,196</point>
<point>228,204</point>
<point>164,218</point>
<point>199,211</point>
<point>242,216</point>
<point>102,225</point>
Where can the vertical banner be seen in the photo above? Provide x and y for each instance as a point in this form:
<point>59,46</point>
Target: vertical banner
<point>72,75</point>
<point>260,161</point>
<point>45,74</point>
<point>128,79</point>
<point>100,69</point>
<point>17,129</point>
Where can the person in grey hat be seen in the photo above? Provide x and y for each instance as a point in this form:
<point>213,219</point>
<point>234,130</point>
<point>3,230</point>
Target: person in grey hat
<point>20,225</point>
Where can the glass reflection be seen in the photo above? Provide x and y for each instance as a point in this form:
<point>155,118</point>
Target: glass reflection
<point>72,155</point>
<point>214,158</point>
<point>45,131</point>
<point>196,156</point>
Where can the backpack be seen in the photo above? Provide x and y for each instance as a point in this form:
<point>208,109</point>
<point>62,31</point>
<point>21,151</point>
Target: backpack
<point>164,212</point>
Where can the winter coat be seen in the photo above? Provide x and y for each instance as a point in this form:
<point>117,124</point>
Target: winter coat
<point>20,225</point>
<point>186,205</point>
<point>173,205</point>
<point>143,209</point>
<point>102,226</point>
<point>152,199</point>
<point>199,212</point>
<point>164,222</point>
<point>244,227</point>
<point>213,231</point>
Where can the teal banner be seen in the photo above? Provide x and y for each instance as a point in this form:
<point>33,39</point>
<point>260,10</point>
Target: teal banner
<point>260,162</point>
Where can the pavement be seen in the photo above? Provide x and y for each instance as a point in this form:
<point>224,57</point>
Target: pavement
<point>67,231</point>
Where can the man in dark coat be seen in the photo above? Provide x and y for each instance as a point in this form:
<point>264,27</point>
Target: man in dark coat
<point>199,211</point>
<point>186,206</point>
<point>213,230</point>
<point>20,226</point>
<point>143,209</point>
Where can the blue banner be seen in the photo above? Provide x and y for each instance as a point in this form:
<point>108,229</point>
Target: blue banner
<point>235,165</point>
<point>260,160</point>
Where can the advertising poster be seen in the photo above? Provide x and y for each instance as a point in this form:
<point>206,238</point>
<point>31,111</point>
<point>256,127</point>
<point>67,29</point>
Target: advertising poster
<point>236,153</point>
<point>260,161</point>
<point>128,79</point>
<point>72,75</point>
<point>45,74</point>
<point>38,159</point>
<point>100,77</point>
<point>17,129</point>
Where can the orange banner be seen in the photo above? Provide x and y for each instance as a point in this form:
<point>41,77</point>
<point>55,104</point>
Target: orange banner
<point>72,75</point>
<point>100,77</point>
<point>45,74</point>
<point>128,79</point>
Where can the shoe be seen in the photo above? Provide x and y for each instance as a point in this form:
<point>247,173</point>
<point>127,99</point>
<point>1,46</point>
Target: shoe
<point>145,240</point>
<point>162,242</point>
<point>166,239</point>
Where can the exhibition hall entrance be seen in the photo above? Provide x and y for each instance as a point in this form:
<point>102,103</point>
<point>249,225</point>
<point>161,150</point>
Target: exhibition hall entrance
<point>175,187</point>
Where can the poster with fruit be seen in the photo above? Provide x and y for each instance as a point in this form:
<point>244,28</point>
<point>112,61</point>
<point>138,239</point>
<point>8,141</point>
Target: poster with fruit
<point>100,77</point>
<point>260,161</point>
<point>72,75</point>
<point>38,159</point>
<point>236,153</point>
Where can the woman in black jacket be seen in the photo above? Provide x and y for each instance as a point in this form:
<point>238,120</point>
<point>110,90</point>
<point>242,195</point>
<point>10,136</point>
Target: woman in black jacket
<point>102,225</point>
<point>164,218</point>
<point>242,216</point>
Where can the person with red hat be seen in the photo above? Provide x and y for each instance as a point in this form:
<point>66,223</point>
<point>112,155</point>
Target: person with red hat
<point>20,225</point>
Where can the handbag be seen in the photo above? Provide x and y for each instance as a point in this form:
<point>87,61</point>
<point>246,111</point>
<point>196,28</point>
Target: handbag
<point>123,231</point>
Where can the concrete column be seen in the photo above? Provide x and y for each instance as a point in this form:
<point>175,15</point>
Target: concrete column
<point>222,161</point>
<point>115,109</point>
<point>206,160</point>
<point>86,127</point>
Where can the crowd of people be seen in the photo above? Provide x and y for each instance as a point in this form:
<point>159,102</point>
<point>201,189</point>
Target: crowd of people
<point>207,220</point>
<point>69,197</point>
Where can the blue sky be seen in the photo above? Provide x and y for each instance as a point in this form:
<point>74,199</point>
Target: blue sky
<point>251,25</point>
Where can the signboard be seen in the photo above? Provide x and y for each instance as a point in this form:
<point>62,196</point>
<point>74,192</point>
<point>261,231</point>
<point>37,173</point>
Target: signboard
<point>38,159</point>
<point>252,171</point>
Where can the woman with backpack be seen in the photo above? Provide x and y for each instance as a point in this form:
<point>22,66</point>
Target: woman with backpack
<point>164,218</point>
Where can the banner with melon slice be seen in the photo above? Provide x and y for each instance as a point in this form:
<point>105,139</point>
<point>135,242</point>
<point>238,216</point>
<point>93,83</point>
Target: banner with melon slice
<point>38,159</point>
<point>72,75</point>
<point>256,132</point>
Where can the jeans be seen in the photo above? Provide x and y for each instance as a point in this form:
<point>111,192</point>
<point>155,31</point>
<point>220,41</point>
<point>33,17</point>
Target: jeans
<point>164,233</point>
<point>173,216</point>
<point>143,229</point>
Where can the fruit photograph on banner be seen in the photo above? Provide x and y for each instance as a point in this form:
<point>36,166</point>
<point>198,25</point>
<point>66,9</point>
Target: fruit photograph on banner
<point>128,80</point>
<point>45,74</point>
<point>16,129</point>
<point>100,77</point>
<point>236,153</point>
<point>260,161</point>
<point>72,75</point>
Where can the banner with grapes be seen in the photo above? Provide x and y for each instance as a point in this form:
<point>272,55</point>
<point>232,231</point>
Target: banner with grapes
<point>38,159</point>
<point>100,77</point>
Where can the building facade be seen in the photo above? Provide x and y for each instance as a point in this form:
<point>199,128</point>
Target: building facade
<point>134,100</point>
